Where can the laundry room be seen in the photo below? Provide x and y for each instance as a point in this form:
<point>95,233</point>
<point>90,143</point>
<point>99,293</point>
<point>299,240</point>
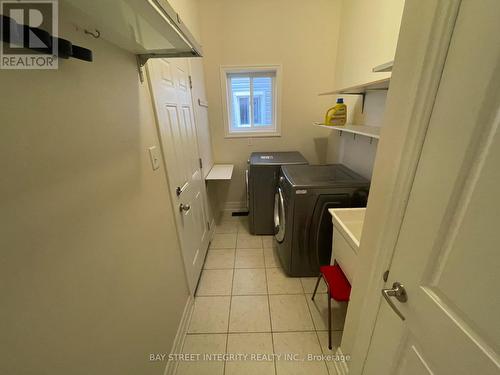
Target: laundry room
<point>288,175</point>
<point>249,187</point>
<point>337,55</point>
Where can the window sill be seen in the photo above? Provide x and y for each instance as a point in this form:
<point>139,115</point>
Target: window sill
<point>253,135</point>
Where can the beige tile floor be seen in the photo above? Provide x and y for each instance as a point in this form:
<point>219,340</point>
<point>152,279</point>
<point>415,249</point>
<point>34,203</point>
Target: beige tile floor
<point>245,303</point>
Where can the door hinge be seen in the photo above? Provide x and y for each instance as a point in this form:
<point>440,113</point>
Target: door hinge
<point>201,163</point>
<point>385,276</point>
<point>190,82</point>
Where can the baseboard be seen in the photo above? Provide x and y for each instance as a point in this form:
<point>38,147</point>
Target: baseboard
<point>180,335</point>
<point>235,206</point>
<point>340,366</point>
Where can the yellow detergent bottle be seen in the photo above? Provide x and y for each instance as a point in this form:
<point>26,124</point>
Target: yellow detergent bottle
<point>337,115</point>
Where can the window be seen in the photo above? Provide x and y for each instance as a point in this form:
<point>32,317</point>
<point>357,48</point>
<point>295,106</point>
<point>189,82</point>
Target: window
<point>251,105</point>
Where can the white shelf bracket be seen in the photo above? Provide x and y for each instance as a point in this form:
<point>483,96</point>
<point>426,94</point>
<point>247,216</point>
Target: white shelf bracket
<point>362,94</point>
<point>141,61</point>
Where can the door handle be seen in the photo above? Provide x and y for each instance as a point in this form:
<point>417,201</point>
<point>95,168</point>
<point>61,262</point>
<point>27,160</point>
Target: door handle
<point>184,207</point>
<point>179,189</point>
<point>398,290</point>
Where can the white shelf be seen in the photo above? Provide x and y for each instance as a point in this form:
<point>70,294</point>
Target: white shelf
<point>220,172</point>
<point>145,28</point>
<point>380,84</point>
<point>364,130</point>
<point>387,67</point>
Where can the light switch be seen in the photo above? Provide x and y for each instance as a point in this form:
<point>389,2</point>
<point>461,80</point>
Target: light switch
<point>154,155</point>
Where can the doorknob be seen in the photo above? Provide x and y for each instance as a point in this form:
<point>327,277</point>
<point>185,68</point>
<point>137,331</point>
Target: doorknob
<point>398,290</point>
<point>184,207</point>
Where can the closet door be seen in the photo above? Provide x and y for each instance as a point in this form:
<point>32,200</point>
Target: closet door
<point>169,81</point>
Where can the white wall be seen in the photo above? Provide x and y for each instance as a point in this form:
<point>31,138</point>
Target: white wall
<point>369,32</point>
<point>92,278</point>
<point>368,36</point>
<point>358,152</point>
<point>189,13</point>
<point>300,35</point>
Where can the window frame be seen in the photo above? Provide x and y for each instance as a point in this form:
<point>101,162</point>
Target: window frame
<point>227,103</point>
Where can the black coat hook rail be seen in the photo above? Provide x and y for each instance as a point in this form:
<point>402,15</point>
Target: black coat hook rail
<point>12,32</point>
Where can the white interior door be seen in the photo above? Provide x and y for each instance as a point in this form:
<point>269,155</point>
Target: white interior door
<point>169,81</point>
<point>200,110</point>
<point>447,255</point>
